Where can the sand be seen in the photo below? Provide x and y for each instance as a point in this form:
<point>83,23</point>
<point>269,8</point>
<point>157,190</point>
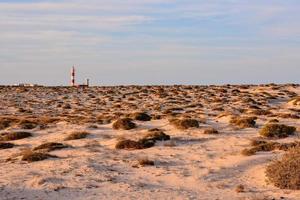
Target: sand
<point>192,165</point>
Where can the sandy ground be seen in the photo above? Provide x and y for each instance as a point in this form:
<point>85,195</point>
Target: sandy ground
<point>194,166</point>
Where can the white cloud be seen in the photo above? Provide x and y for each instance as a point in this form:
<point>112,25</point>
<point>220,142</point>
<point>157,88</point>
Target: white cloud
<point>143,34</point>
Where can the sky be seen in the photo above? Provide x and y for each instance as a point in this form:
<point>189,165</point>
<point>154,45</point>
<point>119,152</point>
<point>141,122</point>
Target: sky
<point>121,42</point>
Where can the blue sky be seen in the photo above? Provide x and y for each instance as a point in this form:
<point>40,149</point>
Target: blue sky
<point>150,41</point>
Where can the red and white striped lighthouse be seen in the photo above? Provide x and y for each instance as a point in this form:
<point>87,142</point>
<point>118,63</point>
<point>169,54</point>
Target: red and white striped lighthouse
<point>73,76</point>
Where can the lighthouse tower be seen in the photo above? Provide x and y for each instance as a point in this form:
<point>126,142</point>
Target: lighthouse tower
<point>73,76</point>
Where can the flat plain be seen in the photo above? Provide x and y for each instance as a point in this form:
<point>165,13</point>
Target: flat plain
<point>148,142</point>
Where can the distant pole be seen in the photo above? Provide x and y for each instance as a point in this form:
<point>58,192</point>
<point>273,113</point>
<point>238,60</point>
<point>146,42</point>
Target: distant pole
<point>87,82</point>
<point>73,76</point>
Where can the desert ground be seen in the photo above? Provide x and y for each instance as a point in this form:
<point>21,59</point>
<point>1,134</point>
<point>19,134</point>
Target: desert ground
<point>147,142</point>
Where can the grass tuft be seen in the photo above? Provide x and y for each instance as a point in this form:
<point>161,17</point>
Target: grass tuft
<point>15,136</point>
<point>284,173</point>
<point>50,146</point>
<point>77,135</point>
<point>124,124</point>
<point>277,130</point>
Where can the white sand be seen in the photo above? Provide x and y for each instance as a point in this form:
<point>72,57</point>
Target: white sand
<point>198,166</point>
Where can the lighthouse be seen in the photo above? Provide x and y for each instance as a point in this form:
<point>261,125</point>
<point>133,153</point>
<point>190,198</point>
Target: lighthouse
<point>73,80</point>
<point>73,76</point>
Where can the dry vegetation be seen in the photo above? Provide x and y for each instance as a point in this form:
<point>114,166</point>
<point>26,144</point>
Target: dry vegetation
<point>50,146</point>
<point>263,145</point>
<point>77,135</point>
<point>140,116</point>
<point>131,145</point>
<point>285,172</point>
<point>124,124</point>
<point>210,131</point>
<point>6,145</point>
<point>196,136</point>
<point>14,136</point>
<point>243,122</point>
<point>31,156</point>
<point>157,135</point>
<point>277,130</point>
<point>185,123</point>
<point>145,162</point>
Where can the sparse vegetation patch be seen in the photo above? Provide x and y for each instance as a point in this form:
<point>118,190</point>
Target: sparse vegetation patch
<point>31,156</point>
<point>285,172</point>
<point>243,122</point>
<point>145,162</point>
<point>262,145</point>
<point>140,116</point>
<point>277,130</point>
<point>124,124</point>
<point>210,131</point>
<point>50,146</point>
<point>77,135</point>
<point>15,135</point>
<point>185,123</point>
<point>5,145</point>
<point>157,135</point>
<point>128,144</point>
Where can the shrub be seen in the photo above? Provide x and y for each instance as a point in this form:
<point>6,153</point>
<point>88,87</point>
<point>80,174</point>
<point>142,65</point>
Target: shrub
<point>92,126</point>
<point>157,135</point>
<point>273,121</point>
<point>256,142</point>
<point>124,123</point>
<point>146,143</point>
<point>185,123</point>
<point>284,173</point>
<point>243,122</point>
<point>31,156</point>
<point>267,146</point>
<point>50,146</point>
<point>277,130</point>
<point>15,136</point>
<point>8,121</point>
<point>260,145</point>
<point>249,152</point>
<point>141,116</point>
<point>27,124</point>
<point>288,146</point>
<point>5,145</point>
<point>240,189</point>
<point>130,144</point>
<point>145,162</point>
<point>210,131</point>
<point>77,135</point>
<point>288,115</point>
<point>4,124</point>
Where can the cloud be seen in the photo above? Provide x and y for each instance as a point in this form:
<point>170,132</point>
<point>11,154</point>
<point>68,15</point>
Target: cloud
<point>141,35</point>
